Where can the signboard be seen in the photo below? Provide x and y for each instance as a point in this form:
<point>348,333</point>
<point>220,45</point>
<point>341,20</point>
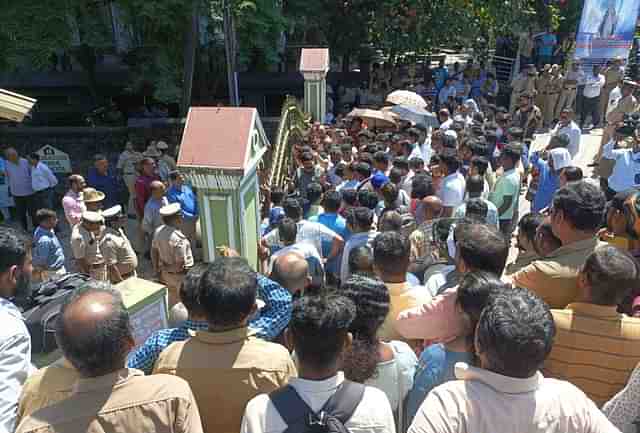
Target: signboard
<point>606,29</point>
<point>148,319</point>
<point>56,160</point>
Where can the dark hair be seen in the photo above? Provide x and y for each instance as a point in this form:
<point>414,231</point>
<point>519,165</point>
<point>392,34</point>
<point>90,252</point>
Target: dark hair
<point>476,209</point>
<point>306,156</point>
<point>292,208</point>
<point>287,231</point>
<point>360,217</point>
<point>35,156</point>
<point>528,225</point>
<point>448,141</point>
<point>416,163</point>
<point>45,214</point>
<point>102,349</point>
<point>361,260</point>
<point>277,195</point>
<point>346,148</point>
<point>482,247</point>
<point>99,157</point>
<point>582,204</point>
<point>515,333</point>
<point>368,199</point>
<point>190,287</point>
<point>390,221</point>
<point>228,291</point>
<point>512,151</point>
<point>475,185</point>
<point>350,196</point>
<point>481,163</point>
<point>572,174</point>
<point>474,291</point>
<point>617,202</point>
<point>612,275</point>
<point>14,246</point>
<point>331,201</point>
<point>395,175</point>
<point>381,157</point>
<point>391,252</point>
<point>371,298</point>
<point>546,230</point>
<point>401,162</point>
<point>389,193</point>
<point>319,326</point>
<point>363,169</point>
<point>421,186</point>
<point>314,192</point>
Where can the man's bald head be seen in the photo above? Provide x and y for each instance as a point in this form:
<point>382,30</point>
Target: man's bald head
<point>432,206</point>
<point>291,271</point>
<point>93,330</point>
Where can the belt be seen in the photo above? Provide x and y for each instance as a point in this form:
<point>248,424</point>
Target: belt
<point>96,265</point>
<point>569,88</point>
<point>175,273</point>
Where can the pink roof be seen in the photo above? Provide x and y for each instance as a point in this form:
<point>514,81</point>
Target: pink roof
<point>216,137</point>
<point>314,60</point>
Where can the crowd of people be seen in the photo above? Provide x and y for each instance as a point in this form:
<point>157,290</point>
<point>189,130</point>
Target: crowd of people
<point>388,297</point>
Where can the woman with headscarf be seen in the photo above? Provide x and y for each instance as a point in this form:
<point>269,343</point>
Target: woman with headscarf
<point>549,175</point>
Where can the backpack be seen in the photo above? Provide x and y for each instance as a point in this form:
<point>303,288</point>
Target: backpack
<point>330,419</point>
<point>42,308</point>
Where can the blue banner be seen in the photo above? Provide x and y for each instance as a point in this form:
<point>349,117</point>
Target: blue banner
<point>606,29</point>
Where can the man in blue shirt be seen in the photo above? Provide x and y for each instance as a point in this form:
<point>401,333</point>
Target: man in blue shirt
<point>101,179</point>
<point>179,192</point>
<point>269,323</point>
<point>48,256</point>
<point>332,220</point>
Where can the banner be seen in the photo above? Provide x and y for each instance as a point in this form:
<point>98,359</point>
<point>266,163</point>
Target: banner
<point>606,29</point>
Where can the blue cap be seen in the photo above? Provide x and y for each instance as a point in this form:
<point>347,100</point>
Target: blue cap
<point>378,180</point>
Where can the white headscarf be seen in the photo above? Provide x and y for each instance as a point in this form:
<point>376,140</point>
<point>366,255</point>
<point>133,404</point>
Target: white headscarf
<point>561,158</point>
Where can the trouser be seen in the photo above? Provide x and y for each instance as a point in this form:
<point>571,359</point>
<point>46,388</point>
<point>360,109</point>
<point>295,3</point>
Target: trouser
<point>604,99</point>
<point>42,199</point>
<point>566,100</point>
<point>173,282</point>
<point>25,205</point>
<point>541,99</point>
<point>549,108</point>
<point>130,181</point>
<point>579,100</point>
<point>98,272</point>
<point>506,228</point>
<point>590,106</point>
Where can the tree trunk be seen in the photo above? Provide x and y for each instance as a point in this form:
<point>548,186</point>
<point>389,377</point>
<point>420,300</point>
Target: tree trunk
<point>346,62</point>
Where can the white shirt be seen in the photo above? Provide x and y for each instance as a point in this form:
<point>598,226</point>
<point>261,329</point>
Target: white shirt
<point>15,362</point>
<point>593,85</point>
<point>486,402</point>
<point>308,231</point>
<point>626,172</point>
<point>574,132</point>
<point>305,249</point>
<point>444,126</point>
<point>356,240</point>
<point>614,97</point>
<point>373,414</point>
<point>452,191</point>
<point>42,177</point>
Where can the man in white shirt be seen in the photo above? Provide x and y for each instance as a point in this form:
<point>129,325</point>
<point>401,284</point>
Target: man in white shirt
<point>15,342</point>
<point>42,181</point>
<point>319,331</point>
<point>626,171</point>
<point>445,119</point>
<point>567,126</point>
<point>360,224</point>
<point>593,85</point>
<point>507,393</point>
<point>453,185</point>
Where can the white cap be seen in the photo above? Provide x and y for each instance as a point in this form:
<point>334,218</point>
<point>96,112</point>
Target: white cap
<point>162,145</point>
<point>92,217</point>
<point>170,209</point>
<point>112,211</point>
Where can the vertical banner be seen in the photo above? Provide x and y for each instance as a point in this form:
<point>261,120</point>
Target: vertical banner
<point>606,29</point>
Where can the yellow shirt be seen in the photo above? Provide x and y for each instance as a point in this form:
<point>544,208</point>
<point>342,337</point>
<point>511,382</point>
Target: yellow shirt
<point>403,297</point>
<point>595,348</point>
<point>553,278</point>
<point>124,401</point>
<point>225,371</point>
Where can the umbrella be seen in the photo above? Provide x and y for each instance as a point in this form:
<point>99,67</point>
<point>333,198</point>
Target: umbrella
<point>374,118</point>
<point>419,116</point>
<point>406,97</point>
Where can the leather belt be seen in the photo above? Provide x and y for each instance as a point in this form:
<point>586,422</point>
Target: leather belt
<point>96,265</point>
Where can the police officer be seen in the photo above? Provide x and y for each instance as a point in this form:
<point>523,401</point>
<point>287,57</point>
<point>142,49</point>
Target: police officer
<point>554,87</point>
<point>166,164</point>
<point>85,244</point>
<point>542,84</point>
<point>569,89</point>
<point>93,199</point>
<point>613,74</point>
<point>171,255</point>
<point>119,256</point>
<point>127,163</point>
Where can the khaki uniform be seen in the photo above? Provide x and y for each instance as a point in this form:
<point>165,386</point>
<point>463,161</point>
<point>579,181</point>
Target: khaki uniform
<point>568,93</point>
<point>124,401</point>
<point>127,164</point>
<point>553,278</point>
<point>86,245</point>
<point>612,76</point>
<point>554,88</point>
<point>529,121</point>
<point>117,250</point>
<point>522,85</point>
<point>542,84</point>
<point>175,258</point>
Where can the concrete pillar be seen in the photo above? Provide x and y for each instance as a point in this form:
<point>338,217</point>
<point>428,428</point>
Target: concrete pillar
<point>314,65</point>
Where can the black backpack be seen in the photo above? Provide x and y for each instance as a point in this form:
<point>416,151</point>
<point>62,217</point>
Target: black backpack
<point>41,309</point>
<point>330,419</point>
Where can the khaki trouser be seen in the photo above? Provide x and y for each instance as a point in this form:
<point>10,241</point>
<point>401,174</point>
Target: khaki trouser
<point>173,282</point>
<point>130,181</point>
<point>566,100</point>
<point>549,107</point>
<point>99,272</point>
<point>604,100</point>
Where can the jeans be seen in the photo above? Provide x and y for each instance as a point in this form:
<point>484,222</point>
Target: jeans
<point>590,106</point>
<point>25,205</point>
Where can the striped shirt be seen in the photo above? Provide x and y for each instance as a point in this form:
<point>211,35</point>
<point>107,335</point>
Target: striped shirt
<point>595,348</point>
